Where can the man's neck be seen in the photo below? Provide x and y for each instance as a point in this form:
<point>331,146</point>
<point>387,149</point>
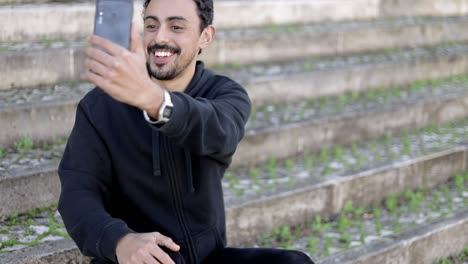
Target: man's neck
<point>181,82</point>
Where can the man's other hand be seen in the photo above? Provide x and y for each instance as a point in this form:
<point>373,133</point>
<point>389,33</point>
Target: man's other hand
<point>145,248</point>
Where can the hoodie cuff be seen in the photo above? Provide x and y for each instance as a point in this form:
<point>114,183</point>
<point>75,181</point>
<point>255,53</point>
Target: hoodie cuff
<point>110,236</point>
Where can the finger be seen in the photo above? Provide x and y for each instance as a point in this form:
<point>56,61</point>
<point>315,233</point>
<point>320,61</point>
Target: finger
<point>99,69</point>
<point>149,259</point>
<point>160,255</point>
<point>111,47</point>
<point>100,56</point>
<point>136,43</point>
<point>99,81</point>
<point>166,241</point>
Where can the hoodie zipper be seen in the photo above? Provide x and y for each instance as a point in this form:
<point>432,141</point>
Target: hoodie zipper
<point>188,163</point>
<point>177,199</point>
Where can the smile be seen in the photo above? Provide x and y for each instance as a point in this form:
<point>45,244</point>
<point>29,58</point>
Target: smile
<point>163,54</point>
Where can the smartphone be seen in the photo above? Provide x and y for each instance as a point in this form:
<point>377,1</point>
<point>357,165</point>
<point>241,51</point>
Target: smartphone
<point>113,20</point>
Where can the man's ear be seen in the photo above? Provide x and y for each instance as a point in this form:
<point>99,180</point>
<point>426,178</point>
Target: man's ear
<point>207,36</point>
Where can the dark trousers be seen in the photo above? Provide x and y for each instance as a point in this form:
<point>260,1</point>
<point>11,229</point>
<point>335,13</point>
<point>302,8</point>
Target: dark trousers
<point>243,256</point>
<point>250,256</point>
<point>257,256</point>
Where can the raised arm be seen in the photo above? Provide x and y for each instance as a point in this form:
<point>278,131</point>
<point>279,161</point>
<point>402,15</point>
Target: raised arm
<point>209,126</point>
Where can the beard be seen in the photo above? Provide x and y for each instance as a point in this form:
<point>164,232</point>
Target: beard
<point>180,64</point>
<point>163,75</point>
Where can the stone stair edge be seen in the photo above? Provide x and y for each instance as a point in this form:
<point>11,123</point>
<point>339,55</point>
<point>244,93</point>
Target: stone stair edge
<point>299,10</point>
<point>409,246</point>
<point>53,25</point>
<point>328,194</point>
<point>22,119</point>
<point>16,64</point>
<point>401,245</point>
<point>292,139</point>
<point>258,48</point>
<point>273,12</point>
<point>412,246</point>
<point>444,108</point>
<point>56,252</point>
<point>460,151</point>
<point>259,32</point>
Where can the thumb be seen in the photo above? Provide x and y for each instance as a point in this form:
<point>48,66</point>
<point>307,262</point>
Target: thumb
<point>136,44</point>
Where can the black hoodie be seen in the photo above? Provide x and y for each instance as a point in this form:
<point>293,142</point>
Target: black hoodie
<point>120,174</point>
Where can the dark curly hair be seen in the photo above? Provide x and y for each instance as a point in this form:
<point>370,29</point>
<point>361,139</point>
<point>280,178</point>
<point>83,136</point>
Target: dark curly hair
<point>205,11</point>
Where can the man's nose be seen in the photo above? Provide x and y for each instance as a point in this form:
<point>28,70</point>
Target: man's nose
<point>162,36</point>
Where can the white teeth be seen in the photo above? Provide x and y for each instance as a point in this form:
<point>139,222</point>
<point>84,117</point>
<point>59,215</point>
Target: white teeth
<point>162,54</point>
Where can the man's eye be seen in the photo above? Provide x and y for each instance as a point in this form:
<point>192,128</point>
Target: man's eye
<point>177,28</point>
<point>151,27</point>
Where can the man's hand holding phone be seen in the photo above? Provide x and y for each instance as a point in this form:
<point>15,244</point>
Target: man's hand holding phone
<point>122,73</point>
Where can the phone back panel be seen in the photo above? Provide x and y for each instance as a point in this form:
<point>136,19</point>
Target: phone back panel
<point>113,20</point>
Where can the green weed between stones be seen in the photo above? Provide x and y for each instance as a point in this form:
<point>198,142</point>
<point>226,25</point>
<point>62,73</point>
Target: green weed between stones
<point>235,66</point>
<point>26,220</point>
<point>315,234</point>
<point>336,104</point>
<point>460,182</point>
<point>49,42</point>
<point>308,66</point>
<point>344,159</point>
<point>406,144</point>
<point>391,203</point>
<point>308,161</point>
<point>456,259</point>
<point>256,172</point>
<point>24,145</point>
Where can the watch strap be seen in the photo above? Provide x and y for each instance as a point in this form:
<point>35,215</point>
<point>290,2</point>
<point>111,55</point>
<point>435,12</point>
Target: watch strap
<point>167,102</point>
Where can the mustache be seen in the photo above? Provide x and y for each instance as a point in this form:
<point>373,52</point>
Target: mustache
<point>163,47</point>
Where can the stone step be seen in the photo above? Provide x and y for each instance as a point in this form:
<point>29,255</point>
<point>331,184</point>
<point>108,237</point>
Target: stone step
<point>326,197</point>
<point>52,20</point>
<point>26,64</point>
<point>423,245</point>
<point>25,111</point>
<point>282,43</point>
<point>417,229</point>
<point>288,138</point>
<point>29,173</point>
<point>292,123</point>
<point>317,77</point>
<point>53,17</point>
<point>433,220</point>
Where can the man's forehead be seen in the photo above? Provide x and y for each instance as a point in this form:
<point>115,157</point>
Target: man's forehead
<point>171,9</point>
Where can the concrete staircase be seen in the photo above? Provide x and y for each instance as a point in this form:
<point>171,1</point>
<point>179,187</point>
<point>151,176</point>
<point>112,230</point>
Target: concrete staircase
<point>354,101</point>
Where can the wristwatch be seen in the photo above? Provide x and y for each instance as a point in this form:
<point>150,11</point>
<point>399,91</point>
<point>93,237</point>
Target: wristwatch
<point>165,111</point>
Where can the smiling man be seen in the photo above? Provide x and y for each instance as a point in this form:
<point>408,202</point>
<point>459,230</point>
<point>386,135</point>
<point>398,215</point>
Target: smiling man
<point>141,173</point>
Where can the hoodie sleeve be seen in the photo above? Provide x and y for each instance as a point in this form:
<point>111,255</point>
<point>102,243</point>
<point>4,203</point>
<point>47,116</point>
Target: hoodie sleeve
<point>210,127</point>
<point>85,175</point>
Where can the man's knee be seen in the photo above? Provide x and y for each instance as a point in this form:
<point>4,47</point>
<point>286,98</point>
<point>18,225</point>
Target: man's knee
<point>297,257</point>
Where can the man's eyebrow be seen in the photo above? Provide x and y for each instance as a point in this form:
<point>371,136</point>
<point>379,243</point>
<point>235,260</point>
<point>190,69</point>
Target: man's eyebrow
<point>151,17</point>
<point>176,18</point>
<point>167,19</point>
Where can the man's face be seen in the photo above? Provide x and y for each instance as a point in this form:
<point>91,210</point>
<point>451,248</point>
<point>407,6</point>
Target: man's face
<point>171,36</point>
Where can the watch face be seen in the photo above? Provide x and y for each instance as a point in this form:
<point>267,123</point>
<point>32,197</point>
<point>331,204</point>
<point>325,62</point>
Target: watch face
<point>167,112</point>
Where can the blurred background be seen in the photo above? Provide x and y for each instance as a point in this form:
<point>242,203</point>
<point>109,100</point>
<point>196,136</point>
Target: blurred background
<point>355,151</point>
